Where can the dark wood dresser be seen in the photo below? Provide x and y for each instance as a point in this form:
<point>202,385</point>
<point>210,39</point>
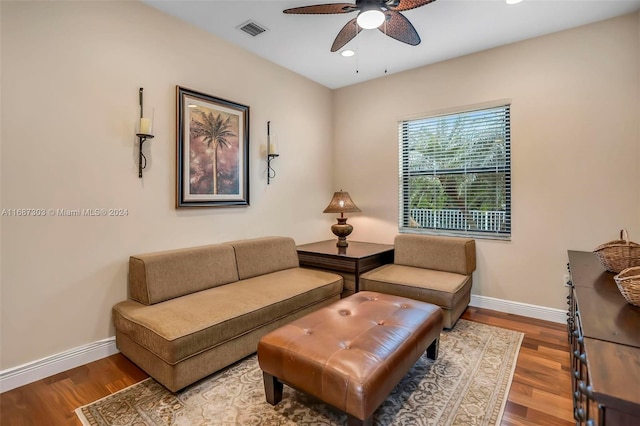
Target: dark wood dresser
<point>604,331</point>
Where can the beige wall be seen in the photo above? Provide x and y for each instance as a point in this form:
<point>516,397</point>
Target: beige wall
<point>70,78</point>
<point>575,148</point>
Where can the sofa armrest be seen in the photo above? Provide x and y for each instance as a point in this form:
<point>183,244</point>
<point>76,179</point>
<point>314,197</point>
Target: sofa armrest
<point>449,254</point>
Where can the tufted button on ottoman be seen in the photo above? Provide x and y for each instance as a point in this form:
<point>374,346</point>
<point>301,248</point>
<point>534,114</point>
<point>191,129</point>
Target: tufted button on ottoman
<point>352,353</point>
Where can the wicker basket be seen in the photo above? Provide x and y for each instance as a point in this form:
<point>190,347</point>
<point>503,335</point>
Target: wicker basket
<point>619,254</point>
<point>628,282</point>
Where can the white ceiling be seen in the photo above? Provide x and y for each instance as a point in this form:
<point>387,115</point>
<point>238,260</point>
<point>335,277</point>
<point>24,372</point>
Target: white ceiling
<point>448,29</point>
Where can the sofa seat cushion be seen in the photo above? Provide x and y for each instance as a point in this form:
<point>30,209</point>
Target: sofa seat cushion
<point>180,328</point>
<point>444,289</point>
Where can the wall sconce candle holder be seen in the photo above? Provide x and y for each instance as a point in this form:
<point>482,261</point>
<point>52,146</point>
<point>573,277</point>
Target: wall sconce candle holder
<point>144,132</point>
<point>272,152</point>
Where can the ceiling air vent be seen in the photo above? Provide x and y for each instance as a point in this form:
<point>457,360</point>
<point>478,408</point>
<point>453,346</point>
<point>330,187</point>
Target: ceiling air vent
<point>252,28</point>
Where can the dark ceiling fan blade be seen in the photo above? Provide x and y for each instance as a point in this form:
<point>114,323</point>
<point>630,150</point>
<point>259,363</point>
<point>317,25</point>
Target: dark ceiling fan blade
<point>398,27</point>
<point>323,9</point>
<point>409,4</point>
<point>346,34</point>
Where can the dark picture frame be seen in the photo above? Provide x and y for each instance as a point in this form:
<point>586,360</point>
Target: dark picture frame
<point>212,157</point>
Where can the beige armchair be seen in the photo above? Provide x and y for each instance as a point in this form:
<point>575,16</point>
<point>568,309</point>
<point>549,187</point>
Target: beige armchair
<point>429,268</point>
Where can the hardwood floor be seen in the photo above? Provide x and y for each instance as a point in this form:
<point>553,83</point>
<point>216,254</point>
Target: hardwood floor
<point>541,389</point>
<point>540,393</point>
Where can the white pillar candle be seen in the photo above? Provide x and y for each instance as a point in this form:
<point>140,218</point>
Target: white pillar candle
<point>273,149</point>
<point>145,126</point>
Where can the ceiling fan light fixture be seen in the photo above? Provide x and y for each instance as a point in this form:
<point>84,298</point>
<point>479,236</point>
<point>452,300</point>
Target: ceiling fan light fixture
<point>347,53</point>
<point>370,17</point>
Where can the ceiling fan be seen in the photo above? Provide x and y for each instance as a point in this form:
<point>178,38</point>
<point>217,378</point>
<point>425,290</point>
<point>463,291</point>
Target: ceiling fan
<point>371,14</point>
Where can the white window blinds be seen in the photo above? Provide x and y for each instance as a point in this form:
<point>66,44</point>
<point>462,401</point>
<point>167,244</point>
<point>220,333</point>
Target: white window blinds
<point>455,174</point>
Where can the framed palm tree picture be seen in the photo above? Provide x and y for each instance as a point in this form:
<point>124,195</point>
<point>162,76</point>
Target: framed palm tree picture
<point>212,151</point>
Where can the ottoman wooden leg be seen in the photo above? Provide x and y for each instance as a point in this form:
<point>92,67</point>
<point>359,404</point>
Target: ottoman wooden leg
<point>354,421</point>
<point>272,388</point>
<point>432,350</point>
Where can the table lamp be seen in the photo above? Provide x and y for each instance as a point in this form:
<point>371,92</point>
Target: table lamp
<point>341,203</point>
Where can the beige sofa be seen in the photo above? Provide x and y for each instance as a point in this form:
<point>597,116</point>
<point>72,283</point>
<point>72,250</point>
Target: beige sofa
<point>429,268</point>
<point>193,311</point>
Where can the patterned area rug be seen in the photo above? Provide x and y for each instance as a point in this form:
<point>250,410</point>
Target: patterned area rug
<point>467,385</point>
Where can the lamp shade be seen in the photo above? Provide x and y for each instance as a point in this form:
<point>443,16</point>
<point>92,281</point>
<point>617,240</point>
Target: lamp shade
<point>341,203</point>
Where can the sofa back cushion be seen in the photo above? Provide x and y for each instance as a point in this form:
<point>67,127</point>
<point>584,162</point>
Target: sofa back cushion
<point>261,256</point>
<point>449,254</point>
<point>156,277</point>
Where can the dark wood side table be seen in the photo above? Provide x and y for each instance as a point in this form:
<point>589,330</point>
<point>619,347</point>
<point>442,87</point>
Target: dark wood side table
<point>350,262</point>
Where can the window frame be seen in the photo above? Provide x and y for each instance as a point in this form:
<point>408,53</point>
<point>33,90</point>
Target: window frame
<point>502,171</point>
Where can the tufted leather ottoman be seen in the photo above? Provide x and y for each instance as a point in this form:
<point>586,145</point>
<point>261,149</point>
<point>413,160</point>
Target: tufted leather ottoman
<point>352,353</point>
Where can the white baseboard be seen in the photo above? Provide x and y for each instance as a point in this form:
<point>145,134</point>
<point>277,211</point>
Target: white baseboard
<point>54,364</point>
<point>519,308</point>
<point>45,367</point>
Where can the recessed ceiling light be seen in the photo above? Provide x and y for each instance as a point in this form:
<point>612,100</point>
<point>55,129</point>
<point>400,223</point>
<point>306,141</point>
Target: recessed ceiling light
<point>347,53</point>
<point>513,1</point>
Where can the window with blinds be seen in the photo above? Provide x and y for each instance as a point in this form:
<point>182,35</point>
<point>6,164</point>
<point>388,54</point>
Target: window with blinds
<point>455,174</point>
